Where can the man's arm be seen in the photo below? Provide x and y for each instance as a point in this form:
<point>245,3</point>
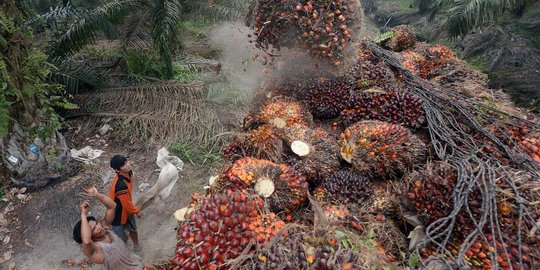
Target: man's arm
<point>105,200</point>
<point>86,234</point>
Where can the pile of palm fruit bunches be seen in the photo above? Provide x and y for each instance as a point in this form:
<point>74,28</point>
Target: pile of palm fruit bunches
<point>321,179</point>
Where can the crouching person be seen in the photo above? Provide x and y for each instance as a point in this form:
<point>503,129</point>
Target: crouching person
<point>99,242</point>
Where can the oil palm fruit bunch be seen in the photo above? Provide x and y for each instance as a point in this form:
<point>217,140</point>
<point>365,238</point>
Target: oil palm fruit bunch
<point>366,74</point>
<point>402,38</point>
<point>347,187</point>
<point>316,154</point>
<point>396,107</point>
<point>430,191</point>
<point>233,152</point>
<point>265,226</point>
<point>493,254</point>
<point>284,188</point>
<point>323,28</point>
<point>412,61</point>
<point>440,52</point>
<point>380,150</point>
<point>284,112</point>
<point>263,142</point>
<point>325,98</point>
<point>531,146</point>
<point>308,249</point>
<point>216,231</point>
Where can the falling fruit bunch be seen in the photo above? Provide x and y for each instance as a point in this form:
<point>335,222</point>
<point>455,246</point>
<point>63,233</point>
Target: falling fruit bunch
<point>284,187</point>
<point>304,249</point>
<point>366,74</point>
<point>323,28</point>
<point>327,97</point>
<point>284,112</point>
<point>265,227</point>
<point>264,143</point>
<point>396,107</point>
<point>216,231</point>
<point>347,187</point>
<point>377,149</point>
<point>482,255</point>
<point>402,38</point>
<point>430,191</point>
<point>531,146</point>
<point>323,156</point>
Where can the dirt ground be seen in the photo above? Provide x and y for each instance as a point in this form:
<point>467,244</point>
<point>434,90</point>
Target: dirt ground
<point>42,226</point>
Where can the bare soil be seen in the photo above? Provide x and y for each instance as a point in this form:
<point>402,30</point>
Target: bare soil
<point>42,226</point>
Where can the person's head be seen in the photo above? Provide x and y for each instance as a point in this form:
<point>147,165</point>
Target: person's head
<point>120,164</point>
<point>96,230</point>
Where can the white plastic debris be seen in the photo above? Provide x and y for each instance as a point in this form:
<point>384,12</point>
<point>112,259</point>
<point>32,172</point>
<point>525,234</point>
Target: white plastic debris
<point>86,155</point>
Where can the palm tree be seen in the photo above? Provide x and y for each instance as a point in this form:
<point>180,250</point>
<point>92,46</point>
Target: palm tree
<point>466,15</point>
<point>138,21</point>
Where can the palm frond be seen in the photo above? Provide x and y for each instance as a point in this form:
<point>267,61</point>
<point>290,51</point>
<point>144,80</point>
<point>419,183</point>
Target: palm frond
<point>88,24</point>
<point>73,75</point>
<point>165,17</point>
<point>465,15</point>
<point>218,9</point>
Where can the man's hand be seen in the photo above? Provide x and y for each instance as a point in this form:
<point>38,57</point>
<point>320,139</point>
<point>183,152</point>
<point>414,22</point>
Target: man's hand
<point>84,208</point>
<point>91,191</point>
<point>139,215</point>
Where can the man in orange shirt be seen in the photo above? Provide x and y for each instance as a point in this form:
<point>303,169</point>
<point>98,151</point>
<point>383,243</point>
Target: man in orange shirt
<point>125,212</point>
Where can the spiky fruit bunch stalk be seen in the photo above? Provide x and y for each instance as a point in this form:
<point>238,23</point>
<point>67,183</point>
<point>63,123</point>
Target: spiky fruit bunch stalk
<point>396,107</point>
<point>216,231</point>
<point>321,27</point>
<point>347,187</point>
<point>367,74</point>
<point>402,39</point>
<point>316,154</point>
<point>284,187</point>
<point>430,191</point>
<point>284,112</point>
<point>377,149</point>
<point>327,97</point>
<point>266,226</point>
<point>531,146</point>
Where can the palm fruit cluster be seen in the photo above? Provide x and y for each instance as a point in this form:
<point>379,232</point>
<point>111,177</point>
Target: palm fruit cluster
<point>377,149</point>
<point>366,74</point>
<point>216,231</point>
<point>322,157</point>
<point>325,98</point>
<point>430,191</point>
<point>284,187</point>
<point>412,61</point>
<point>336,213</point>
<point>265,226</point>
<point>347,187</point>
<point>320,27</point>
<point>284,112</point>
<point>263,142</point>
<point>440,52</point>
<point>531,146</point>
<point>396,107</point>
<point>302,249</point>
<point>402,38</point>
<point>232,152</point>
<point>493,254</point>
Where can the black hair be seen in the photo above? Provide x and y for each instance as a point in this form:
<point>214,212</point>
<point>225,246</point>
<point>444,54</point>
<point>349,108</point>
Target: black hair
<point>77,229</point>
<point>118,161</point>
